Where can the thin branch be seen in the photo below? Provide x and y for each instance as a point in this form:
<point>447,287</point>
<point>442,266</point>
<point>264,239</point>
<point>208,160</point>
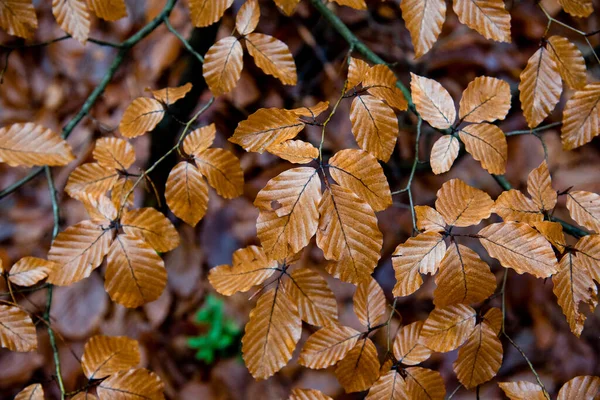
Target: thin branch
<point>534,130</point>
<point>183,41</point>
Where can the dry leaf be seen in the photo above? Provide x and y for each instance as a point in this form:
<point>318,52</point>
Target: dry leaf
<point>488,17</point>
<point>295,151</point>
<point>569,60</point>
<point>584,208</point>
<point>522,390</point>
<point>539,187</point>
<point>199,140</point>
<point>433,102</point>
<point>461,204</point>
<point>588,252</point>
<point>487,144</point>
<point>17,17</point>
<point>29,144</point>
<point>390,386</point>
<point>222,171</point>
<point>424,21</point>
<point>356,4</point>
<point>223,65</point>
<point>447,328</point>
<point>151,225</point>
<point>114,153</point>
<point>287,6</point>
<point>84,396</point>
<point>315,301</point>
<point>407,348</point>
<point>101,210</point>
<point>141,116</point>
<point>134,383</point>
<point>17,332</point>
<point>30,270</point>
<point>360,368</point>
<point>91,179</point>
<point>578,8</point>
<point>327,346</point>
<point>265,128</point>
<point>580,387</point>
<point>357,71</point>
<point>424,384</point>
<point>186,193</point>
<point>312,111</point>
<point>272,56</point>
<point>170,95</point>
<point>307,394</point>
<point>485,99</point>
<point>369,303</point>
<point>513,205</point>
<point>106,355</point>
<point>73,17</point>
<point>109,10</point>
<point>381,83</point>
<point>247,17</point>
<point>443,153</point>
<point>581,117</point>
<point>493,317</point>
<point>429,220</point>
<point>207,12</point>
<point>31,392</point>
<point>553,232</point>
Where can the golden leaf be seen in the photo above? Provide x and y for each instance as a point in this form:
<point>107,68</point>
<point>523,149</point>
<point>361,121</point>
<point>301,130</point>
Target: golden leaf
<point>73,17</point>
<point>356,4</point>
<point>369,303</point>
<point>118,192</point>
<point>389,386</point>
<point>381,83</point>
<point>265,128</point>
<point>17,17</point>
<point>584,208</point>
<point>134,383</point>
<point>312,111</point>
<point>569,60</point>
<point>429,220</point>
<point>207,12</point>
<point>186,193</point>
<point>447,328</point>
<point>78,250</point>
<point>485,99</point>
<point>520,247</point>
<point>540,87</point>
<point>289,214</point>
<point>348,232</point>
<point>374,125</point>
<point>463,278</point>
<point>522,390</point>
<point>92,179</point>
<point>170,95</point>
<point>581,117</point>
<point>247,17</point>
<point>488,17</point>
<point>513,205</point>
<point>135,274</point>
<point>108,10</point>
<point>588,252</point>
<point>361,173</point>
<point>307,394</point>
<point>573,285</point>
<point>271,335</point>
<point>17,332</point>
<point>539,187</point>
<point>407,348</point>
<point>100,209</point>
<point>29,144</point>
<point>31,392</point>
<point>106,355</point>
<point>553,232</point>
<point>578,8</point>
<point>327,346</point>
<point>30,270</point>
<point>493,317</point>
<point>360,368</point>
<point>250,267</point>
<point>295,151</point>
<point>357,71</point>
<point>424,384</point>
<point>84,396</point>
<point>272,56</point>
<point>443,153</point>
<point>315,301</point>
<point>287,6</point>
<point>151,225</point>
<point>141,116</point>
<point>433,102</point>
<point>223,65</point>
<point>418,255</point>
<point>424,21</point>
<point>487,144</point>
<point>580,387</point>
<point>114,153</point>
<point>461,204</point>
<point>222,170</point>
<point>480,358</point>
<point>199,140</point>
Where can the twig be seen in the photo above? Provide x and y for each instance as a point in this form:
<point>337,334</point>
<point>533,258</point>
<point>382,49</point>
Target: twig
<point>183,41</point>
<point>534,130</point>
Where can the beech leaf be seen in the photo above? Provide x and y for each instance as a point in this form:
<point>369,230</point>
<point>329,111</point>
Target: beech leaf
<point>141,116</point>
<point>369,303</point>
<point>223,64</point>
<point>327,346</point>
<point>485,99</point>
<point>448,328</point>
<point>315,301</point>
<point>29,144</point>
<point>17,332</point>
<point>424,21</point>
<point>433,102</point>
<point>18,18</point>
<point>106,355</point>
<point>581,117</point>
<point>359,370</point>
<point>487,144</point>
<point>407,348</point>
<point>488,17</point>
<point>207,12</point>
<point>272,56</point>
<point>443,153</point>
<point>133,383</point>
<point>461,204</point>
<point>186,193</point>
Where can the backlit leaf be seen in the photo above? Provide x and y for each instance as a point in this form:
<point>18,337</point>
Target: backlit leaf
<point>109,10</point>
<point>101,210</point>
<point>307,394</point>
<point>539,186</point>
<point>374,125</point>
<point>390,386</point>
<point>186,193</point>
<point>369,303</point>
<point>429,220</point>
<point>327,346</point>
<point>223,65</point>
<point>31,392</point>
<point>207,12</point>
<point>522,390</point>
<point>295,151</point>
<point>92,179</point>
<point>360,368</point>
<point>141,116</point>
<point>118,192</point>
<point>485,99</point>
<point>433,102</point>
<point>424,20</point>
<point>581,117</point>
<point>73,17</point>
<point>424,384</point>
<point>578,8</point>
<point>447,328</point>
<point>266,127</point>
<point>553,232</point>
<point>132,384</point>
<point>272,56</point>
<point>199,140</point>
<point>584,208</point>
<point>487,144</point>
<point>381,82</point>
<point>513,205</point>
<point>407,348</point>
<point>106,355</point>
<point>461,204</point>
<point>17,17</point>
<point>443,153</point>
<point>315,301</point>
<point>222,170</point>
<point>29,144</point>
<point>520,247</point>
<point>17,332</point>
<point>170,95</point>
<point>488,17</point>
<point>569,60</point>
<point>247,17</point>
<point>151,225</point>
<point>357,71</point>
<point>114,153</point>
<point>580,387</point>
<point>30,270</point>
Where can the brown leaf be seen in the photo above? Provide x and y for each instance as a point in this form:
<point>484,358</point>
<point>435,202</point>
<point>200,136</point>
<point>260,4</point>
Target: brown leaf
<point>356,4</point>
<point>447,328</point>
<point>315,301</point>
<point>118,192</point>
<point>369,303</point>
<point>485,99</point>
<point>588,252</point>
<point>518,246</point>
<point>348,233</point>
<point>17,332</point>
<point>141,116</point>
<point>250,267</point>
<point>84,396</point>
<point>31,392</point>
<point>170,95</point>
<point>390,386</point>
<point>581,117</point>
<point>357,71</point>
<point>271,334</point>
<point>307,394</point>
<point>135,274</point>
<point>493,317</point>
<point>78,250</point>
<point>381,83</point>
<point>374,125</point>
<point>569,60</point>
<point>584,208</point>
<point>553,232</point>
<point>429,220</point>
<point>461,204</point>
<point>487,144</point>
<point>480,358</point>
<point>17,17</point>
<point>101,210</point>
<point>295,151</point>
<point>443,153</point>
<point>522,390</point>
<point>114,153</point>
<point>578,8</point>
<point>199,140</point>
<point>407,348</point>
<point>360,368</point>
<point>29,144</point>
<point>247,17</point>
<point>433,102</point>
<point>287,6</point>
<point>463,278</point>
<point>513,205</point>
<point>418,255</point>
<point>30,270</point>
<point>424,384</point>
<point>207,12</point>
<point>327,346</point>
<point>272,56</point>
<point>424,21</point>
<point>73,17</point>
<point>106,355</point>
<point>186,193</point>
<point>92,179</point>
<point>131,384</point>
<point>265,128</point>
<point>223,65</point>
<point>312,111</point>
<point>488,17</point>
<point>540,87</point>
<point>361,173</point>
<point>108,10</point>
<point>580,387</point>
<point>151,225</point>
<point>222,170</point>
<point>539,187</point>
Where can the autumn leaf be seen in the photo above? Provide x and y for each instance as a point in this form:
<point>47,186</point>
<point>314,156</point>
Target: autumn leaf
<point>369,303</point>
<point>101,210</point>
<point>327,346</point>
<point>113,153</point>
<point>443,153</point>
<point>580,387</point>
<point>186,193</point>
<point>520,247</point>
<point>488,17</point>
<point>118,192</point>
<point>429,220</point>
<point>295,151</point>
<point>522,390</point>
<point>109,10</point>
<point>539,186</point>
<point>584,208</point>
<point>92,179</point>
<point>356,4</point>
<point>389,386</point>
<point>513,205</point>
<point>407,348</point>
<point>207,12</point>
<point>360,368</point>
<point>29,144</point>
<point>266,127</point>
<point>357,72</point>
<point>272,56</point>
<point>553,232</point>
<point>578,8</point>
<point>311,111</point>
<point>271,334</point>
<point>250,267</point>
<point>30,270</point>
<point>447,328</point>
<point>73,17</point>
<point>418,255</point>
<point>141,116</point>
<point>105,355</point>
<point>581,117</point>
<point>199,140</point>
<point>222,170</point>
<point>151,225</point>
<point>485,99</point>
<point>247,17</point>
<point>17,17</point>
<point>493,317</point>
<point>133,383</point>
<point>540,87</point>
<point>223,64</point>
<point>569,60</point>
<point>433,102</point>
<point>381,83</point>
<point>307,394</point>
<point>588,253</point>
<point>17,332</point>
<point>423,383</point>
<point>170,95</point>
<point>424,21</point>
<point>487,144</point>
<point>31,392</point>
<point>461,204</point>
<point>287,6</point>
<point>315,301</point>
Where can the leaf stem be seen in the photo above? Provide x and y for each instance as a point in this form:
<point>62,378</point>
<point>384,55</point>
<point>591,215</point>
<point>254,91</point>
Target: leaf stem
<point>183,41</point>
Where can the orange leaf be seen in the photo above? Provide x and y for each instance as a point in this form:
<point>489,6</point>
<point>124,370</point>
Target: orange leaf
<point>369,303</point>
<point>429,220</point>
<point>315,301</point>
<point>424,21</point>
<point>207,12</point>
<point>578,8</point>
<point>433,102</point>
<point>247,17</point>
<point>488,17</point>
<point>92,179</point>
<point>539,186</point>
<point>584,208</point>
<point>443,153</point>
<point>312,111</point>
<point>108,10</point>
<point>30,270</point>
<point>357,71</point>
<point>381,83</point>
<point>390,386</point>
<point>447,328</point>
<point>580,387</point>
<point>581,117</point>
<point>553,232</point>
<point>461,204</point>
<point>295,151</point>
<point>118,192</point>
<point>407,348</point>
<point>101,210</point>
<point>522,390</point>
<point>199,140</point>
<point>374,125</point>
<point>307,394</point>
<point>287,6</point>
<point>272,56</point>
<point>106,355</point>
<point>493,317</point>
<point>359,370</point>
<point>513,205</point>
<point>485,99</point>
<point>141,116</point>
<point>73,17</point>
<point>31,392</point>
<point>151,225</point>
<point>569,60</point>
<point>134,383</point>
<point>223,65</point>
<point>17,332</point>
<point>356,4</point>
<point>170,95</point>
<point>423,383</point>
<point>114,153</point>
<point>186,193</point>
<point>265,128</point>
<point>17,17</point>
<point>222,170</point>
<point>327,346</point>
<point>588,252</point>
<point>487,144</point>
<point>29,144</point>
